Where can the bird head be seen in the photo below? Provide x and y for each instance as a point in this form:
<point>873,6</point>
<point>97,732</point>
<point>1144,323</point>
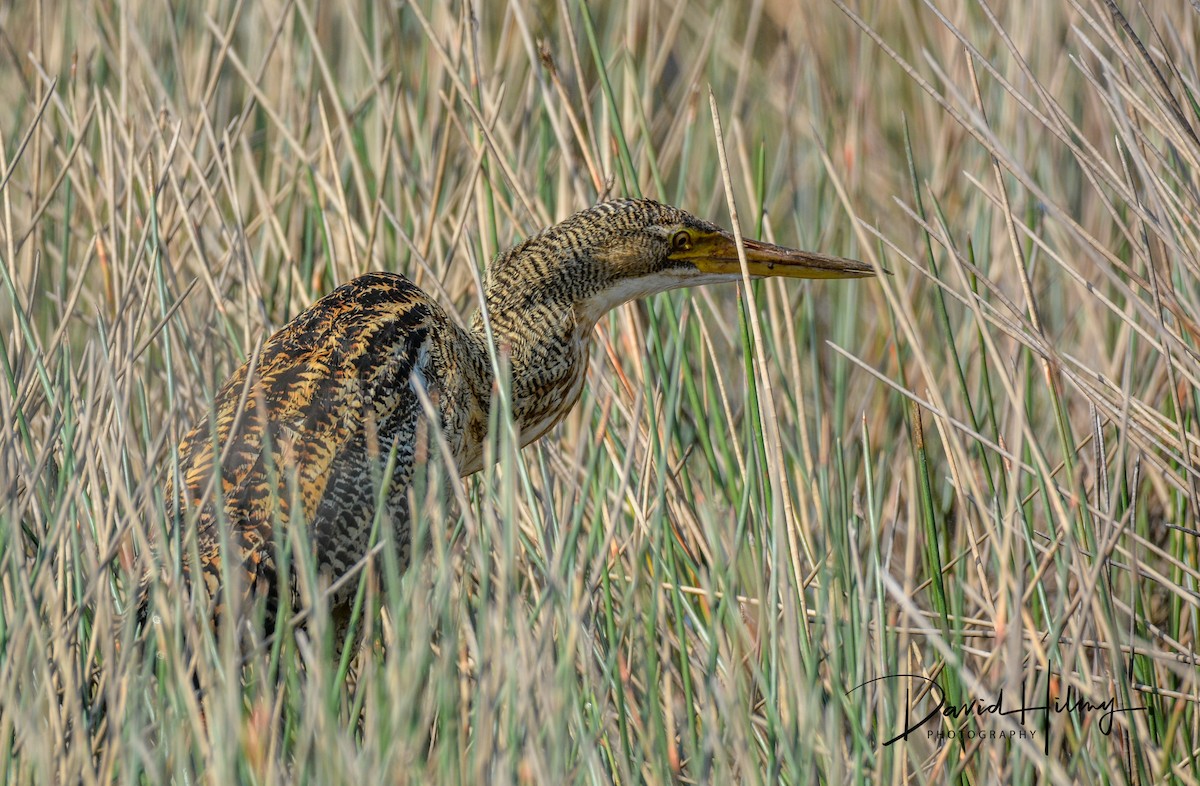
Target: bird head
<point>627,249</point>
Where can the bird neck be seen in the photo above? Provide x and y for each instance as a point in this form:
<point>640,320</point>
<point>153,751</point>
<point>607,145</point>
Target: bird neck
<point>544,349</point>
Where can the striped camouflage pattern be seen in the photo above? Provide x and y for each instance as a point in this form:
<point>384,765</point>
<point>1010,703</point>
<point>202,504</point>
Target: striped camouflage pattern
<point>306,427</point>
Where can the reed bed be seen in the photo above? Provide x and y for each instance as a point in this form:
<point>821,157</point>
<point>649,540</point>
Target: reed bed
<point>981,472</point>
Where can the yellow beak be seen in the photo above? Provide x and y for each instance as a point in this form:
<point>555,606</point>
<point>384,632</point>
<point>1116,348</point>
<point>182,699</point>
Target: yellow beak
<point>716,253</point>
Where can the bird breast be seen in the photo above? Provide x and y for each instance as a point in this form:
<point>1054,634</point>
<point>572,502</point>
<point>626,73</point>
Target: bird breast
<point>548,373</point>
<point>556,399</point>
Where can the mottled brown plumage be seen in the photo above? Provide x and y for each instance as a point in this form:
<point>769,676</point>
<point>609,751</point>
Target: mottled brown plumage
<point>306,427</point>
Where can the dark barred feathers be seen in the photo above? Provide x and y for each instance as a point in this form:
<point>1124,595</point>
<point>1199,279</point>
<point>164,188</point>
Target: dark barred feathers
<point>310,423</point>
<point>303,431</point>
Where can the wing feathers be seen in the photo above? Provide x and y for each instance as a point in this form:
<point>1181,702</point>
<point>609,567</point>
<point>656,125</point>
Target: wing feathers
<point>330,384</point>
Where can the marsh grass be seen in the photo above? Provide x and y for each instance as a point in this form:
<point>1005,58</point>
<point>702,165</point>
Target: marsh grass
<point>981,470</point>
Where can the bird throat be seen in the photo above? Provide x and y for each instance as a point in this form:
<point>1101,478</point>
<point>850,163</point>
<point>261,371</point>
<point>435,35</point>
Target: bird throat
<point>546,358</point>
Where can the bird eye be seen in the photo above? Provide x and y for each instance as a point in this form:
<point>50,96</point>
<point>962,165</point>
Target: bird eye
<point>681,241</point>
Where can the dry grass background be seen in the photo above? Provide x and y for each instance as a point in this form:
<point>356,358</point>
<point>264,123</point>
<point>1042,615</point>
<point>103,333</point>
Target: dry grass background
<point>982,470</point>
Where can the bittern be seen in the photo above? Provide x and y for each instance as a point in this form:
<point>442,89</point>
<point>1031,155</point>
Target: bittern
<point>306,427</point>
